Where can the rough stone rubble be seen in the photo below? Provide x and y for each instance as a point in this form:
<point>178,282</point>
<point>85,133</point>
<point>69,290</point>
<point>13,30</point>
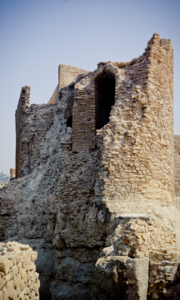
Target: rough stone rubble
<point>18,277</point>
<point>157,249</point>
<point>94,188</point>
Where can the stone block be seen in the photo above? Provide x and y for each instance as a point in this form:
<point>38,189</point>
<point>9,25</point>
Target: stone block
<point>17,279</point>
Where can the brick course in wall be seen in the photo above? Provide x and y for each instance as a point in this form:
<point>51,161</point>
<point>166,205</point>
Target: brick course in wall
<point>137,143</point>
<point>84,114</point>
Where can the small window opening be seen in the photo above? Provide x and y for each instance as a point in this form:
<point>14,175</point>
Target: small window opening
<point>69,122</point>
<point>105,98</point>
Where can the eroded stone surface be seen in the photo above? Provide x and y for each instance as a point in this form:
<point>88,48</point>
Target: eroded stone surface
<point>138,277</point>
<point>18,277</point>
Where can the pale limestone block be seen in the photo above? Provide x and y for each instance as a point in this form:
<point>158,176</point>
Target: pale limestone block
<point>3,281</point>
<point>9,291</point>
<point>34,256</point>
<point>18,279</point>
<point>4,265</point>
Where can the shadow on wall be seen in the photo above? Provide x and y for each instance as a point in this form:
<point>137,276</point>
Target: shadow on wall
<point>104,97</point>
<point>69,122</point>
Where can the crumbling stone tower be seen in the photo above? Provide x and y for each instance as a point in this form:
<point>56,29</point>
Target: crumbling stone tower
<point>95,168</point>
<point>125,110</point>
<point>137,143</point>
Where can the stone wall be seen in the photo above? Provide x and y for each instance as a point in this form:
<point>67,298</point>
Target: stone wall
<point>136,140</point>
<point>18,277</point>
<point>164,277</point>
<point>23,103</point>
<point>177,165</point>
<point>152,273</point>
<point>87,179</point>
<point>33,122</point>
<point>68,74</point>
<point>137,143</point>
<point>120,277</point>
<point>37,120</point>
<point>84,114</point>
<point>143,237</point>
<point>12,173</point>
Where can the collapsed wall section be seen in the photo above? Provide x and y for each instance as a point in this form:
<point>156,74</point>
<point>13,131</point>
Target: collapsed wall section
<point>33,122</point>
<point>38,119</point>
<point>18,277</point>
<point>137,143</point>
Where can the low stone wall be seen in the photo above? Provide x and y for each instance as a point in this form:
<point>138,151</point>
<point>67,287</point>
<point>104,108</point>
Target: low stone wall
<point>18,277</point>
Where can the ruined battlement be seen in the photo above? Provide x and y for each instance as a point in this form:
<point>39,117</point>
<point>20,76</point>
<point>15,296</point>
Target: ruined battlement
<point>123,109</point>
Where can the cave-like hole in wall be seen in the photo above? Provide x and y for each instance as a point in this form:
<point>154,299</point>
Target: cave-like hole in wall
<point>104,97</point>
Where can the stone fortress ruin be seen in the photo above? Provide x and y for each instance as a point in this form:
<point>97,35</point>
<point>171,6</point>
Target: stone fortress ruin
<point>97,188</point>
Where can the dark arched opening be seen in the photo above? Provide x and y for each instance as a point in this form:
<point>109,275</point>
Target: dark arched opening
<point>69,122</point>
<point>105,98</point>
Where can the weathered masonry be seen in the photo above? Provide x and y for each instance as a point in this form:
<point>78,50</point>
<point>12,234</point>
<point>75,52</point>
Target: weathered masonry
<point>125,110</point>
<point>19,279</point>
<point>34,121</point>
<point>94,194</point>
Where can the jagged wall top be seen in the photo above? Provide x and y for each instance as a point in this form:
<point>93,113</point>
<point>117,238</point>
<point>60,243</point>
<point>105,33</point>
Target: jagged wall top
<point>135,135</point>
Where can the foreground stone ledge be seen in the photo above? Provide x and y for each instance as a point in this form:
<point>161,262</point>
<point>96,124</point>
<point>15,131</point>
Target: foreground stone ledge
<point>18,277</point>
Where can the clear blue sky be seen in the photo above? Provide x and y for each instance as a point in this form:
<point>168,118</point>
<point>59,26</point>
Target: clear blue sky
<point>38,35</point>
